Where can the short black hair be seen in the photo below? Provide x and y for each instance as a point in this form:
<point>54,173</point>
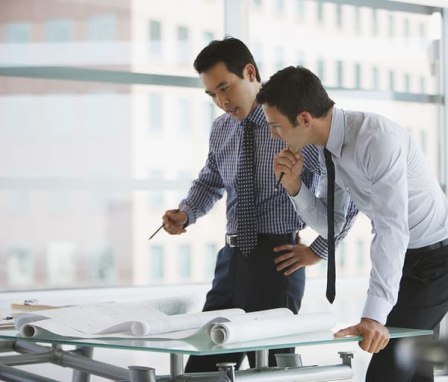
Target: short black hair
<point>293,90</point>
<point>231,51</point>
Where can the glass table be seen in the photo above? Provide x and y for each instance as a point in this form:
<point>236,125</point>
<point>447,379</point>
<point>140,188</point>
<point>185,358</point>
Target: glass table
<point>32,351</point>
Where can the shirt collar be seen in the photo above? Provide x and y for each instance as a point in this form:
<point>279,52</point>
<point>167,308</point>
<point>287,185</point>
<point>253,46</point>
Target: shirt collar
<point>256,116</point>
<point>336,136</point>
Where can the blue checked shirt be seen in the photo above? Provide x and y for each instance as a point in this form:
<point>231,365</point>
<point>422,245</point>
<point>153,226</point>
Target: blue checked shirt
<point>274,210</point>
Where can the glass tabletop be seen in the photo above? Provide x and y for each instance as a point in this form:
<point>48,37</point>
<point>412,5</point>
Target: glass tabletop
<point>201,346</point>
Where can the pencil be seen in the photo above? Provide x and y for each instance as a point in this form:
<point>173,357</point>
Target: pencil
<point>277,185</point>
<point>158,229</point>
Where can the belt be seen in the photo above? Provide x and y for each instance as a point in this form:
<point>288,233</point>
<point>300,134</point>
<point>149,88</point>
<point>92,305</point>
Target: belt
<point>438,245</point>
<point>232,239</point>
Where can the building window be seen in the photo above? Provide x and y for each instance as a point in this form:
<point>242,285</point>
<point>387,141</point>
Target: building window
<point>321,70</point>
<point>358,80</point>
<point>300,9</point>
<point>357,21</point>
<point>406,28</point>
<point>361,255</point>
<point>59,31</point>
<point>183,52</point>
<point>374,22</point>
<point>207,37</point>
<point>102,28</point>
<point>102,265</point>
<point>155,38</point>
<point>407,83</point>
<point>391,25</point>
<point>339,73</point>
<point>391,80</point>
<point>279,58</point>
<point>210,260</point>
<point>20,268</point>
<point>320,11</point>
<point>157,263</point>
<point>184,262</point>
<point>375,79</point>
<point>60,262</point>
<point>208,117</point>
<point>18,33</point>
<point>339,20</point>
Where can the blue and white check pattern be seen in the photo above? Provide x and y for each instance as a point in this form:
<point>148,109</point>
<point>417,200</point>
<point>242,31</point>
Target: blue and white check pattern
<point>274,211</point>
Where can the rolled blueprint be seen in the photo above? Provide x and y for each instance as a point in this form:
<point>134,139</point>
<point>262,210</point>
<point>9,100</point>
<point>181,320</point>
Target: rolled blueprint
<point>240,331</point>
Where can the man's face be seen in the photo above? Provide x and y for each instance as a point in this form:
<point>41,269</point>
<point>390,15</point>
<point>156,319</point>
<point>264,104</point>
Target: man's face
<point>282,128</point>
<point>234,95</point>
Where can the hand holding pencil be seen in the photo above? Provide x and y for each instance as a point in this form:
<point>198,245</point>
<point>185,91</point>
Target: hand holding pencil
<point>174,222</point>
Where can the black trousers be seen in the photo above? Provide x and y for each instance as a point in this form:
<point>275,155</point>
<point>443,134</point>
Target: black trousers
<point>251,283</point>
<point>422,303</point>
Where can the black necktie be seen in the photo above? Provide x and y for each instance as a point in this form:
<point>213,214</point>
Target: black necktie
<point>245,209</point>
<point>331,268</point>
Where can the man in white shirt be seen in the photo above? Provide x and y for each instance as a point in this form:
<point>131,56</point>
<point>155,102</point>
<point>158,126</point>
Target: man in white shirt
<point>381,168</point>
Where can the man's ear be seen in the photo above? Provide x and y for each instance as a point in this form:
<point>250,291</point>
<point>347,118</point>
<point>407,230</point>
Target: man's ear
<point>251,72</point>
<point>305,117</point>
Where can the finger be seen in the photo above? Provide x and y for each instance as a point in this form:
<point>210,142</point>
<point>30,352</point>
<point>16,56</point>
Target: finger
<point>350,331</point>
<point>292,269</point>
<point>284,247</point>
<point>285,264</point>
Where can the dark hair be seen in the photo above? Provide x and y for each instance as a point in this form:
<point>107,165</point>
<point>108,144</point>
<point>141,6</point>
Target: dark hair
<point>293,90</point>
<point>231,51</point>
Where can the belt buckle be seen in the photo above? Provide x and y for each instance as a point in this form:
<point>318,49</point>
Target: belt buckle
<point>231,240</point>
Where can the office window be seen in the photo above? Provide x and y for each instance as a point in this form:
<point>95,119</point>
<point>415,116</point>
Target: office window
<point>183,52</point>
<point>361,254</point>
<point>17,202</point>
<point>155,38</point>
<point>300,9</point>
<point>391,25</point>
<point>18,33</point>
<point>357,20</point>
<point>338,15</point>
<point>257,52</point>
<point>208,116</point>
<point>279,6</point>
<point>423,141</point>
<point>156,120</point>
<point>407,83</point>
<point>391,80</point>
<point>375,79</point>
<point>102,112</point>
<point>102,28</point>
<point>321,70</point>
<point>340,256</point>
<point>102,268</point>
<point>339,73</point>
<point>422,85</point>
<point>207,37</point>
<point>320,11</point>
<point>19,268</point>
<point>184,263</point>
<point>59,31</point>
<point>211,251</point>
<point>60,262</point>
<point>406,28</point>
<point>279,58</point>
<point>59,202</point>
<point>358,79</point>
<point>157,263</point>
<point>301,58</point>
<point>374,22</point>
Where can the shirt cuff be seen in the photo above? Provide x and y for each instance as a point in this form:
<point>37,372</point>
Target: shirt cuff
<point>304,200</point>
<point>184,207</point>
<point>376,308</point>
<point>320,248</point>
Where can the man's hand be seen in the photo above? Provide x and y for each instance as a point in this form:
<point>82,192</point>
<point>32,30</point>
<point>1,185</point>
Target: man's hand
<point>174,222</point>
<point>291,166</point>
<point>375,335</point>
<point>297,256</point>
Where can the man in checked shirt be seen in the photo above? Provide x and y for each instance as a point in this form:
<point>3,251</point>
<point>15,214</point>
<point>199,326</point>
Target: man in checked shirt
<point>273,274</point>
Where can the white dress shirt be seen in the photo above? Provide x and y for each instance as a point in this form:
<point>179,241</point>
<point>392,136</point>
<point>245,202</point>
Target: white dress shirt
<point>383,170</point>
